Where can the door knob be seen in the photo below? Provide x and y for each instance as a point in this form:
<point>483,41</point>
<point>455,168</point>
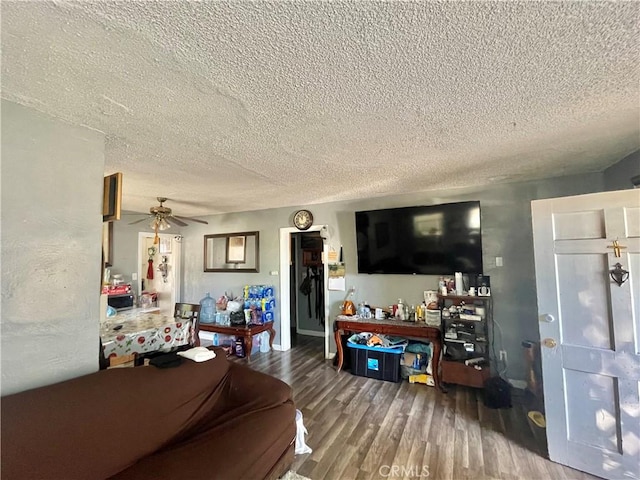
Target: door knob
<point>548,318</point>
<point>549,343</point>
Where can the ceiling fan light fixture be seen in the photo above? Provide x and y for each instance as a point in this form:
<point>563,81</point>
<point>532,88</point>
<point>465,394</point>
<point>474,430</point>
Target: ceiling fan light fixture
<point>163,224</point>
<point>159,223</point>
<point>160,218</point>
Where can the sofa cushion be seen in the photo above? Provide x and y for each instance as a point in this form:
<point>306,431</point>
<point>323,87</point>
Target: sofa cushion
<point>97,425</point>
<point>244,447</point>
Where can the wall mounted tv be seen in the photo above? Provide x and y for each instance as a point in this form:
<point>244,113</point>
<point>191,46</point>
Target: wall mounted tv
<point>427,240</point>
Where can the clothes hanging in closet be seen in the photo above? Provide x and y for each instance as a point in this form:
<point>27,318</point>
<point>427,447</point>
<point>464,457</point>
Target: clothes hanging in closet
<point>314,280</point>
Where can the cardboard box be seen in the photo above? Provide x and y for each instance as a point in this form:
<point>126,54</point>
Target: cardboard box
<point>417,361</point>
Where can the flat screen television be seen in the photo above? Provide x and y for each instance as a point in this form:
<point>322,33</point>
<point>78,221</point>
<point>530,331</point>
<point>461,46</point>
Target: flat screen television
<point>427,240</point>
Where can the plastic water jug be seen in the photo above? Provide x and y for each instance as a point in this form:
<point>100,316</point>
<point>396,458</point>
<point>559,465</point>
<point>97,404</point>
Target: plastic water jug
<point>264,342</point>
<point>207,309</point>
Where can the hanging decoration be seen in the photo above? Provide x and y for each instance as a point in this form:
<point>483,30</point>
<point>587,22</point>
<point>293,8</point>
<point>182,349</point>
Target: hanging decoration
<point>163,268</point>
<point>151,251</point>
<point>617,248</point>
<point>156,239</point>
<point>158,223</point>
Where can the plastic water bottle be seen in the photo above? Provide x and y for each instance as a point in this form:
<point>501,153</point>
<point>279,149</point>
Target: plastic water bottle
<point>400,311</point>
<point>207,309</point>
<point>216,340</point>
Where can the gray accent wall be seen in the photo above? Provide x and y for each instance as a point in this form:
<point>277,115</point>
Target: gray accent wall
<point>618,176</point>
<point>52,176</point>
<point>507,232</point>
<point>506,226</point>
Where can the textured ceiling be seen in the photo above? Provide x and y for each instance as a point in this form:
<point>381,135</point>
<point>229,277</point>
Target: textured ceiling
<point>233,106</point>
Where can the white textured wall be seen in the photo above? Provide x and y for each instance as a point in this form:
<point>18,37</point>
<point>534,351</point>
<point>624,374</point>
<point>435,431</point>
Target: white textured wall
<point>51,248</point>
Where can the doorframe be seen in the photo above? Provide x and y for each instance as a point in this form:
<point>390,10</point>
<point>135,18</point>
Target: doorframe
<point>285,285</point>
<point>176,253</point>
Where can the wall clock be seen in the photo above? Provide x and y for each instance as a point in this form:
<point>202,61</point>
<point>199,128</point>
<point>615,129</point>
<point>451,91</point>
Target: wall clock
<point>302,219</point>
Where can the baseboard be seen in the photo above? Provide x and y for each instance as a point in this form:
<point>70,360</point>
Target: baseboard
<point>311,333</point>
<point>277,347</point>
<point>331,355</point>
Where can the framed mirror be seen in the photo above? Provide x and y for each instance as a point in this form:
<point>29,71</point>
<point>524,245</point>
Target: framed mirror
<point>232,252</point>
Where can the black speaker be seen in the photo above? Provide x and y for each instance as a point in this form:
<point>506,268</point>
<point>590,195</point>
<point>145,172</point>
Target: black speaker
<point>497,393</point>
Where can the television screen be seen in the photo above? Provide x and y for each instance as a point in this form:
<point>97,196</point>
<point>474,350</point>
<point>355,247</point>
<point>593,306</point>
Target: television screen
<point>427,240</point>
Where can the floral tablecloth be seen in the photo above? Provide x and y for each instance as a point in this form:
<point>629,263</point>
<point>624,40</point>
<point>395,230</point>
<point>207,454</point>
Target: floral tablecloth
<point>143,333</point>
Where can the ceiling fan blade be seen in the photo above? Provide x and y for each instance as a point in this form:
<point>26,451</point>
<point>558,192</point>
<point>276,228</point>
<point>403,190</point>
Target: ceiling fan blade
<point>189,219</point>
<point>138,221</point>
<point>172,219</point>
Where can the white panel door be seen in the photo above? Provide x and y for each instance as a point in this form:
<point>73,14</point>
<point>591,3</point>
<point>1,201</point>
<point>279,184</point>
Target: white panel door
<point>590,330</point>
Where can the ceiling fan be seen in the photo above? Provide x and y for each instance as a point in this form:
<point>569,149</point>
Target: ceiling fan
<point>162,218</point>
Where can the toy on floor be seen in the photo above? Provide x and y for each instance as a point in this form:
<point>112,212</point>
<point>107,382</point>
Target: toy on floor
<point>421,378</point>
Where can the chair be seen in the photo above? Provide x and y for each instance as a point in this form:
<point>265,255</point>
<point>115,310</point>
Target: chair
<point>191,312</point>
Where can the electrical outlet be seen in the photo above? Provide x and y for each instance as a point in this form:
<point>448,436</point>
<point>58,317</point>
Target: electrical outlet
<point>499,262</point>
<point>134,276</point>
<point>503,356</point>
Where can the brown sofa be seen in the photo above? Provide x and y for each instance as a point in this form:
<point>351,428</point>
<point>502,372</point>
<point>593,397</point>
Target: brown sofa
<point>209,420</point>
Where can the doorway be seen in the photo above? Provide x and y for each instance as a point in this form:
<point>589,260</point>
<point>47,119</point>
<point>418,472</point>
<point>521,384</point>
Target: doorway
<point>164,260</point>
<point>306,286</point>
<point>293,272</point>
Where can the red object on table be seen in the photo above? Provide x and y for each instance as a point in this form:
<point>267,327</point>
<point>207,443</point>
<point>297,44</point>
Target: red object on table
<point>150,270</point>
<point>116,289</point>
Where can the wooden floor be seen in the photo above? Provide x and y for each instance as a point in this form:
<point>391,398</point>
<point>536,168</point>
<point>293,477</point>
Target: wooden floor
<point>361,428</point>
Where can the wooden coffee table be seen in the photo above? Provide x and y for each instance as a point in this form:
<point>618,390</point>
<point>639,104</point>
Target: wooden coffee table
<point>245,331</point>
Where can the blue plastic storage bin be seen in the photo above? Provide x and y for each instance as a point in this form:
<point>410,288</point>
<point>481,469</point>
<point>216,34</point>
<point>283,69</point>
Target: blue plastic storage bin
<point>376,362</point>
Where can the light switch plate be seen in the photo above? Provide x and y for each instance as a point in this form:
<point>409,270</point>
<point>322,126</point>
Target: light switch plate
<point>498,261</point>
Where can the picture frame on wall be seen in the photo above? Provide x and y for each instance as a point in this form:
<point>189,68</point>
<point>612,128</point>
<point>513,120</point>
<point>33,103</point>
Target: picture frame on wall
<point>165,245</point>
<point>236,249</point>
<point>112,197</point>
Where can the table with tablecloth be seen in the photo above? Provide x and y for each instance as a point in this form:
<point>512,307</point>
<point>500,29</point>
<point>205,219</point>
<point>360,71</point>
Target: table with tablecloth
<point>143,333</point>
